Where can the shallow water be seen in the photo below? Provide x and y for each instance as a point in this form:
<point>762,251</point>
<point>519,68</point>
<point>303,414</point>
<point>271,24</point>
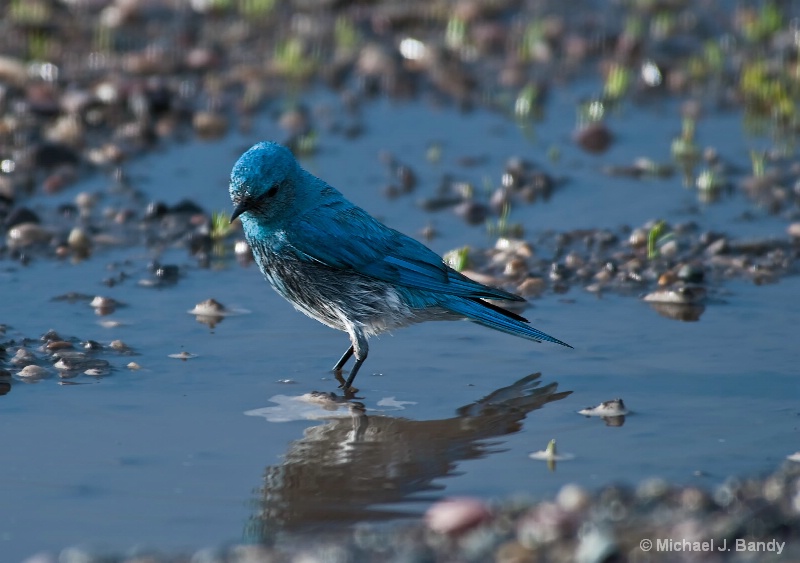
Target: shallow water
<point>174,456</point>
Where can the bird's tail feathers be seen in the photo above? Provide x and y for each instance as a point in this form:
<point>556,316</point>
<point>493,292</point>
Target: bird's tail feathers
<point>492,316</point>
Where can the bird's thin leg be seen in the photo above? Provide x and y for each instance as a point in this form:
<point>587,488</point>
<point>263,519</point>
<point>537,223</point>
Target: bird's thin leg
<point>354,372</point>
<point>343,360</point>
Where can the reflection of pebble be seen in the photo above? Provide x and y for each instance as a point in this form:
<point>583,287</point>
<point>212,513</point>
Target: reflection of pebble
<point>100,302</point>
<point>183,356</point>
<point>82,363</point>
<point>679,311</point>
<point>682,295</point>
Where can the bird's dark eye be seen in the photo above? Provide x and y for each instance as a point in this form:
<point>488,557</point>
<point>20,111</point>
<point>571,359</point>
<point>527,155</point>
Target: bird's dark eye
<point>272,191</point>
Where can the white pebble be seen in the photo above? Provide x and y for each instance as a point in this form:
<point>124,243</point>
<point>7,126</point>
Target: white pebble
<point>614,407</point>
<point>33,372</point>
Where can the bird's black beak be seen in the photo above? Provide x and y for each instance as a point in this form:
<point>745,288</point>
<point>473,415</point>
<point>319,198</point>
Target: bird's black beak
<point>238,210</point>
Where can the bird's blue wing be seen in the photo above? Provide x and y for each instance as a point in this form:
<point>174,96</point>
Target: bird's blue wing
<point>354,240</point>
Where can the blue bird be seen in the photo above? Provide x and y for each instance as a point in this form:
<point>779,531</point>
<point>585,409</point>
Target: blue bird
<point>339,265</point>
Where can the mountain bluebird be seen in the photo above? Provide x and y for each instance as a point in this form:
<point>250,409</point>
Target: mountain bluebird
<point>338,265</point>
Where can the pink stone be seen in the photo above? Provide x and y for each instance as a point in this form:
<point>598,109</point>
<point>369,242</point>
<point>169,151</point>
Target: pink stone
<point>457,515</point>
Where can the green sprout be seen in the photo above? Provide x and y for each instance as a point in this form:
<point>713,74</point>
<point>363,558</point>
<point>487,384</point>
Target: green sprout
<point>634,27</point>
<point>531,39</point>
<point>220,225</point>
<point>455,34</point>
<point>663,24</point>
<point>528,101</point>
<point>706,180</point>
<point>714,57</point>
<point>684,147</point>
<point>709,183</point>
<point>29,12</point>
<point>758,158</point>
<point>591,111</point>
<point>306,143</point>
<point>292,60</point>
<point>768,92</point>
<point>256,8</point>
<point>617,82</point>
<point>38,46</point>
<point>434,153</point>
<point>657,235</point>
<point>458,259</point>
<point>345,34</point>
<point>103,39</point>
<point>764,24</point>
<point>502,227</point>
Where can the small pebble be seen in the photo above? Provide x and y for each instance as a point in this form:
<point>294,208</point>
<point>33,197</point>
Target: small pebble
<point>573,498</point>
<point>208,307</point>
<point>23,357</point>
<point>78,240</point>
<point>457,515</point>
<point>118,345</point>
<point>515,268</point>
<point>531,287</point>
<point>472,212</point>
<point>669,249</point>
<point>210,125</point>
<point>58,345</point>
<point>614,407</point>
<point>242,248</point>
<point>27,234</point>
<point>594,138</point>
<point>33,372</point>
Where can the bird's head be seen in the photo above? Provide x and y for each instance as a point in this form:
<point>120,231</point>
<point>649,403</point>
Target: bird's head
<point>263,182</point>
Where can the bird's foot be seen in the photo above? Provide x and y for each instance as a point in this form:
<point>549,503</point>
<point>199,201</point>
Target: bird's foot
<point>348,392</point>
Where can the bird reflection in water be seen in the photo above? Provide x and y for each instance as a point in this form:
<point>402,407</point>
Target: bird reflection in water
<point>349,469</point>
